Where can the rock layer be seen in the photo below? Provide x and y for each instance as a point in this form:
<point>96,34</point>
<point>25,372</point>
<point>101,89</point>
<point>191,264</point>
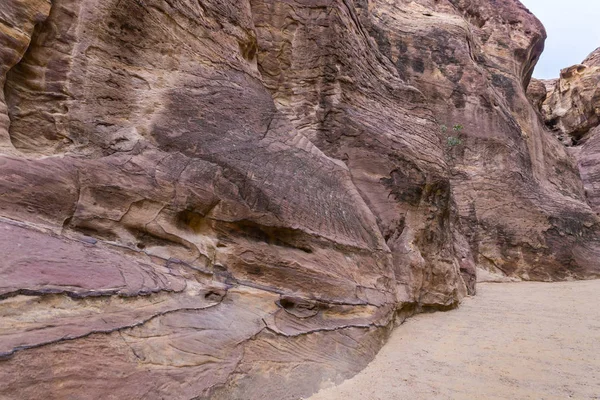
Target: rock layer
<point>572,112</point>
<point>571,106</point>
<point>519,196</point>
<point>238,199</point>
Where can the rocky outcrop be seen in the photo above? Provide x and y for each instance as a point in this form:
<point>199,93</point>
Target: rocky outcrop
<point>571,107</point>
<point>572,112</point>
<point>191,240</point>
<point>239,199</point>
<point>519,196</point>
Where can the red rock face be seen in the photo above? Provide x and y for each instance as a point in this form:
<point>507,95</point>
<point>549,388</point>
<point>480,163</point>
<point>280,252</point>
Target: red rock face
<point>572,111</point>
<point>238,199</point>
<point>518,193</point>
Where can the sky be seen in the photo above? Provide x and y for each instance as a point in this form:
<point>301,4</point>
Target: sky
<point>573,28</point>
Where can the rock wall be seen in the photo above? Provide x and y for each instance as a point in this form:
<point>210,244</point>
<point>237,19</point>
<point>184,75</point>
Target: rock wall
<point>518,192</point>
<point>571,110</point>
<point>239,199</point>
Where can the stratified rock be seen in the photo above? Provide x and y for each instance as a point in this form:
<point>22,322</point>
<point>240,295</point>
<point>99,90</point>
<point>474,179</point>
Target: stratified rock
<point>572,112</point>
<point>346,97</point>
<point>239,199</point>
<point>572,108</point>
<point>16,27</point>
<point>193,241</point>
<point>588,156</point>
<point>518,191</point>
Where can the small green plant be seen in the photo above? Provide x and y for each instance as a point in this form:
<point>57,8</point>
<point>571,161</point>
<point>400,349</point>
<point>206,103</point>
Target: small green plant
<point>454,141</point>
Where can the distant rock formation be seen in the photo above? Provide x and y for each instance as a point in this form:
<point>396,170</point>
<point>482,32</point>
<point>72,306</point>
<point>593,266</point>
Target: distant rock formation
<point>241,198</point>
<point>571,107</point>
<point>571,110</point>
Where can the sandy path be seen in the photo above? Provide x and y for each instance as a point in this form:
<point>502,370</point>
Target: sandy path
<point>512,341</point>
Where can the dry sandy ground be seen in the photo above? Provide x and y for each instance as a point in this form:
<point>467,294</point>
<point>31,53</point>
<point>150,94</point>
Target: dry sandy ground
<point>511,341</point>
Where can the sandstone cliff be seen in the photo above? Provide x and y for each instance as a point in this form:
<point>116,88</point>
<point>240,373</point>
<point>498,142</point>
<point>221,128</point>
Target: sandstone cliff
<point>239,199</point>
<point>571,110</point>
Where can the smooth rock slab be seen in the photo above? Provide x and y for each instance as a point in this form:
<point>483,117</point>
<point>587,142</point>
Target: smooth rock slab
<point>512,341</point>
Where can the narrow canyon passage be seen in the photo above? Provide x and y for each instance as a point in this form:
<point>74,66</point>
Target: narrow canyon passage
<point>511,341</point>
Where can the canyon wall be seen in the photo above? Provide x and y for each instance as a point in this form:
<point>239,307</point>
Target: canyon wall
<point>238,199</point>
<point>571,109</point>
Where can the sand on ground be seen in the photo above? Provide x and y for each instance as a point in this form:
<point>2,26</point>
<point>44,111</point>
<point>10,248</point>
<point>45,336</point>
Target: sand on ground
<point>511,341</point>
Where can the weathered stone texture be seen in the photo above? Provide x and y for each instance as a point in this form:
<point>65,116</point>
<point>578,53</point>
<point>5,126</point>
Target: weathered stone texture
<point>518,192</point>
<point>239,199</point>
<point>572,112</point>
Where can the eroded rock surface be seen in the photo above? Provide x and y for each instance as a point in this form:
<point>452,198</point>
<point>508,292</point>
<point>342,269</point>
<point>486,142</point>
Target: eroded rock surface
<point>238,199</point>
<point>572,106</point>
<point>520,199</point>
<point>572,112</point>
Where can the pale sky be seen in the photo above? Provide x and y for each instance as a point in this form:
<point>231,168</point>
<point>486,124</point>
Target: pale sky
<point>573,28</point>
